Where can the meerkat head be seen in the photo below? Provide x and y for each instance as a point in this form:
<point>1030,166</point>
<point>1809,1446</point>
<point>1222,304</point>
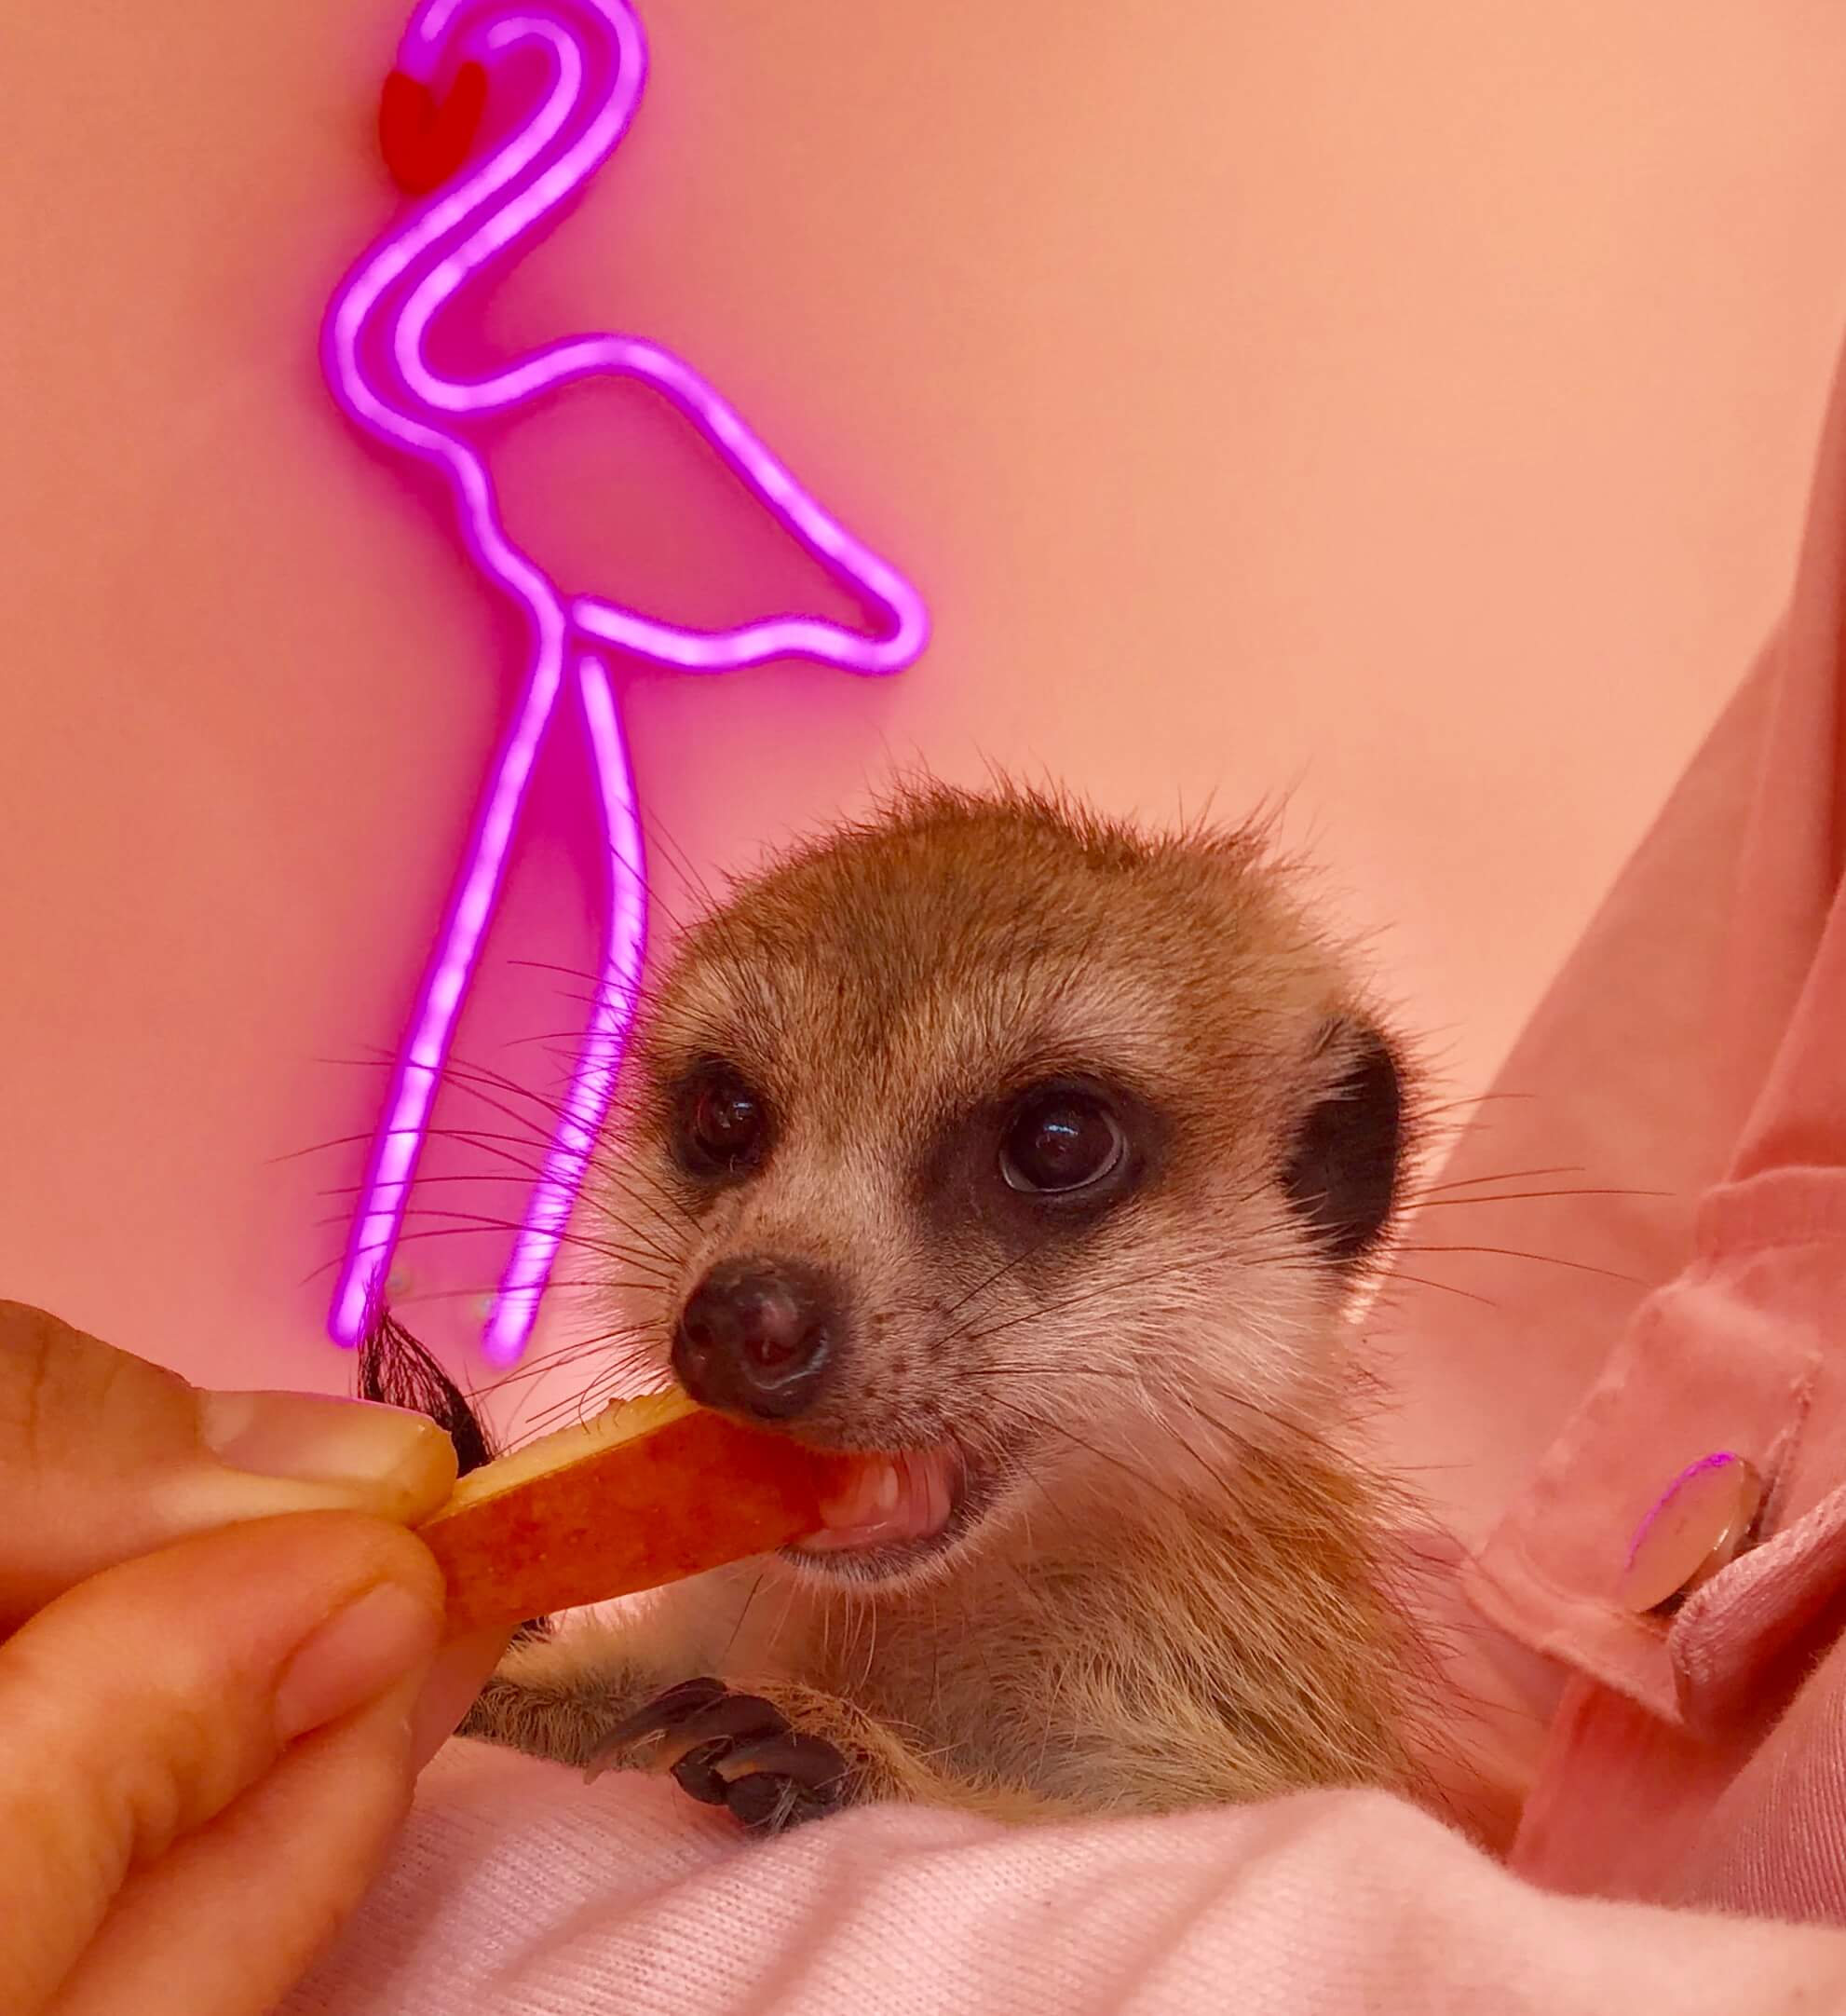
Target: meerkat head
<point>1010,1148</point>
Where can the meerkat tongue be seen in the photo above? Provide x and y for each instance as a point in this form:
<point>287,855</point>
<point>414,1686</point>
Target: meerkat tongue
<point>886,1499</point>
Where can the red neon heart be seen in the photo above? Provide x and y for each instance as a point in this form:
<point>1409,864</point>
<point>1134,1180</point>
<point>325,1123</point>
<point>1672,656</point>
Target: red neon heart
<point>424,139</point>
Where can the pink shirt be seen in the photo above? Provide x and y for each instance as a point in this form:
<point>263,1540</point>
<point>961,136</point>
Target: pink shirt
<point>1672,1792</point>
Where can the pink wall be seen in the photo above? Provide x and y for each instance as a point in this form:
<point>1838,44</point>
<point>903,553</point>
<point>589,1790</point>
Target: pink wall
<point>1410,405</point>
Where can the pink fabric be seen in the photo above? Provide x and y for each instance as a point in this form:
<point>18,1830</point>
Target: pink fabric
<point>518,1891</point>
<point>1665,1778</point>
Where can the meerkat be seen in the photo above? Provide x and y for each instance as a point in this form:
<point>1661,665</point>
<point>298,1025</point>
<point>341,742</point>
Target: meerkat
<point>1038,1159</point>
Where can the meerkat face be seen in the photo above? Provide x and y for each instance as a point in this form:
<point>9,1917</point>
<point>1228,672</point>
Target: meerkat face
<point>1014,1151</point>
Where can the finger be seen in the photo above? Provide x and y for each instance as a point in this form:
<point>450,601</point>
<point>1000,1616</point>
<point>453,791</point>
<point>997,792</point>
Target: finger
<point>136,1707</point>
<point>232,1918</point>
<point>103,1456</point>
<point>462,1669</point>
<point>229,1921</point>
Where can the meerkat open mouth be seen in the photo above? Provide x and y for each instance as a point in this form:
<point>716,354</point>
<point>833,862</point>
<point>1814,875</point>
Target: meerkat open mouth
<point>892,1506</point>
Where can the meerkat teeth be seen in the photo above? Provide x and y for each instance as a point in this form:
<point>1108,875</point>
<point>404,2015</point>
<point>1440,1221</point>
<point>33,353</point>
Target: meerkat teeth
<point>889,1499</point>
<point>870,1495</point>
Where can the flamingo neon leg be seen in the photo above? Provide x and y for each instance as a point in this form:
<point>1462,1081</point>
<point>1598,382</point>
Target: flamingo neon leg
<point>594,1081</point>
<point>398,1144</point>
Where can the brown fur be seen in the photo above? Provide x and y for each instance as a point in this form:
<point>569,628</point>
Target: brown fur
<point>1179,1588</point>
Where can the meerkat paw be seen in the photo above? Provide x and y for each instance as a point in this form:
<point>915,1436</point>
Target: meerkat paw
<point>731,1749</point>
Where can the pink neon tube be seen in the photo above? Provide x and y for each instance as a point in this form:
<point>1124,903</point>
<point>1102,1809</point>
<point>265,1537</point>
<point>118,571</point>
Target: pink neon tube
<point>373,348</point>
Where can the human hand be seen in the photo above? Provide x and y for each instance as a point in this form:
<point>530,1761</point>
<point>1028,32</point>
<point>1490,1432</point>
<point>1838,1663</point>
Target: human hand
<point>221,1667</point>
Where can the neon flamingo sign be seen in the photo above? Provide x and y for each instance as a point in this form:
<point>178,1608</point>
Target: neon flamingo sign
<point>374,353</point>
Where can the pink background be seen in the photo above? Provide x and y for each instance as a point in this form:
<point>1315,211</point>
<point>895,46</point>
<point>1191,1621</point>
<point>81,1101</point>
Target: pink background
<point>1409,407</point>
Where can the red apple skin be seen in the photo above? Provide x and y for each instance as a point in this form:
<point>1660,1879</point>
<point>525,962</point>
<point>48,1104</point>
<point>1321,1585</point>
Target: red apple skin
<point>693,1495</point>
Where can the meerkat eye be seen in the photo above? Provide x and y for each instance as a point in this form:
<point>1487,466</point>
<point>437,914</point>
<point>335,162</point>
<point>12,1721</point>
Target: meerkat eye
<point>723,1125</point>
<point>1059,1140</point>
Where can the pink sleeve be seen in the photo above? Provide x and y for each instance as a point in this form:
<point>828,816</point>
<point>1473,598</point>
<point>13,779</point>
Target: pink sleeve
<point>519,1890</point>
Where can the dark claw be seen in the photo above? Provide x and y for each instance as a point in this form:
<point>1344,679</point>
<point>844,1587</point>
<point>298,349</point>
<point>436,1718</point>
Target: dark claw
<point>732,1718</point>
<point>771,1806</point>
<point>665,1712</point>
<point>736,1751</point>
<point>803,1761</point>
<point>696,1777</point>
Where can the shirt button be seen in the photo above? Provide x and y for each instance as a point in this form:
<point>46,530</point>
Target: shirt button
<point>1700,1524</point>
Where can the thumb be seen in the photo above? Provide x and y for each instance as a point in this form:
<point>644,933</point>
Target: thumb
<point>136,1708</point>
<point>103,1456</point>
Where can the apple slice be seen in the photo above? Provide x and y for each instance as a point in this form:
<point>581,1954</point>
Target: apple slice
<point>649,1492</point>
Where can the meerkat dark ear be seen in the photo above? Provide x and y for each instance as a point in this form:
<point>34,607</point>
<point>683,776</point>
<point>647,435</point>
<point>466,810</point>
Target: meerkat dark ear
<point>1343,1167</point>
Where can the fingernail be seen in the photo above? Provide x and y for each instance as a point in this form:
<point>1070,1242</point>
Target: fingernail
<point>461,1669</point>
<point>369,1646</point>
<point>316,1439</point>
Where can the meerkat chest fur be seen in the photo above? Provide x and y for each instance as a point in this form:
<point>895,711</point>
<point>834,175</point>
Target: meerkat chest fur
<point>1034,1161</point>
